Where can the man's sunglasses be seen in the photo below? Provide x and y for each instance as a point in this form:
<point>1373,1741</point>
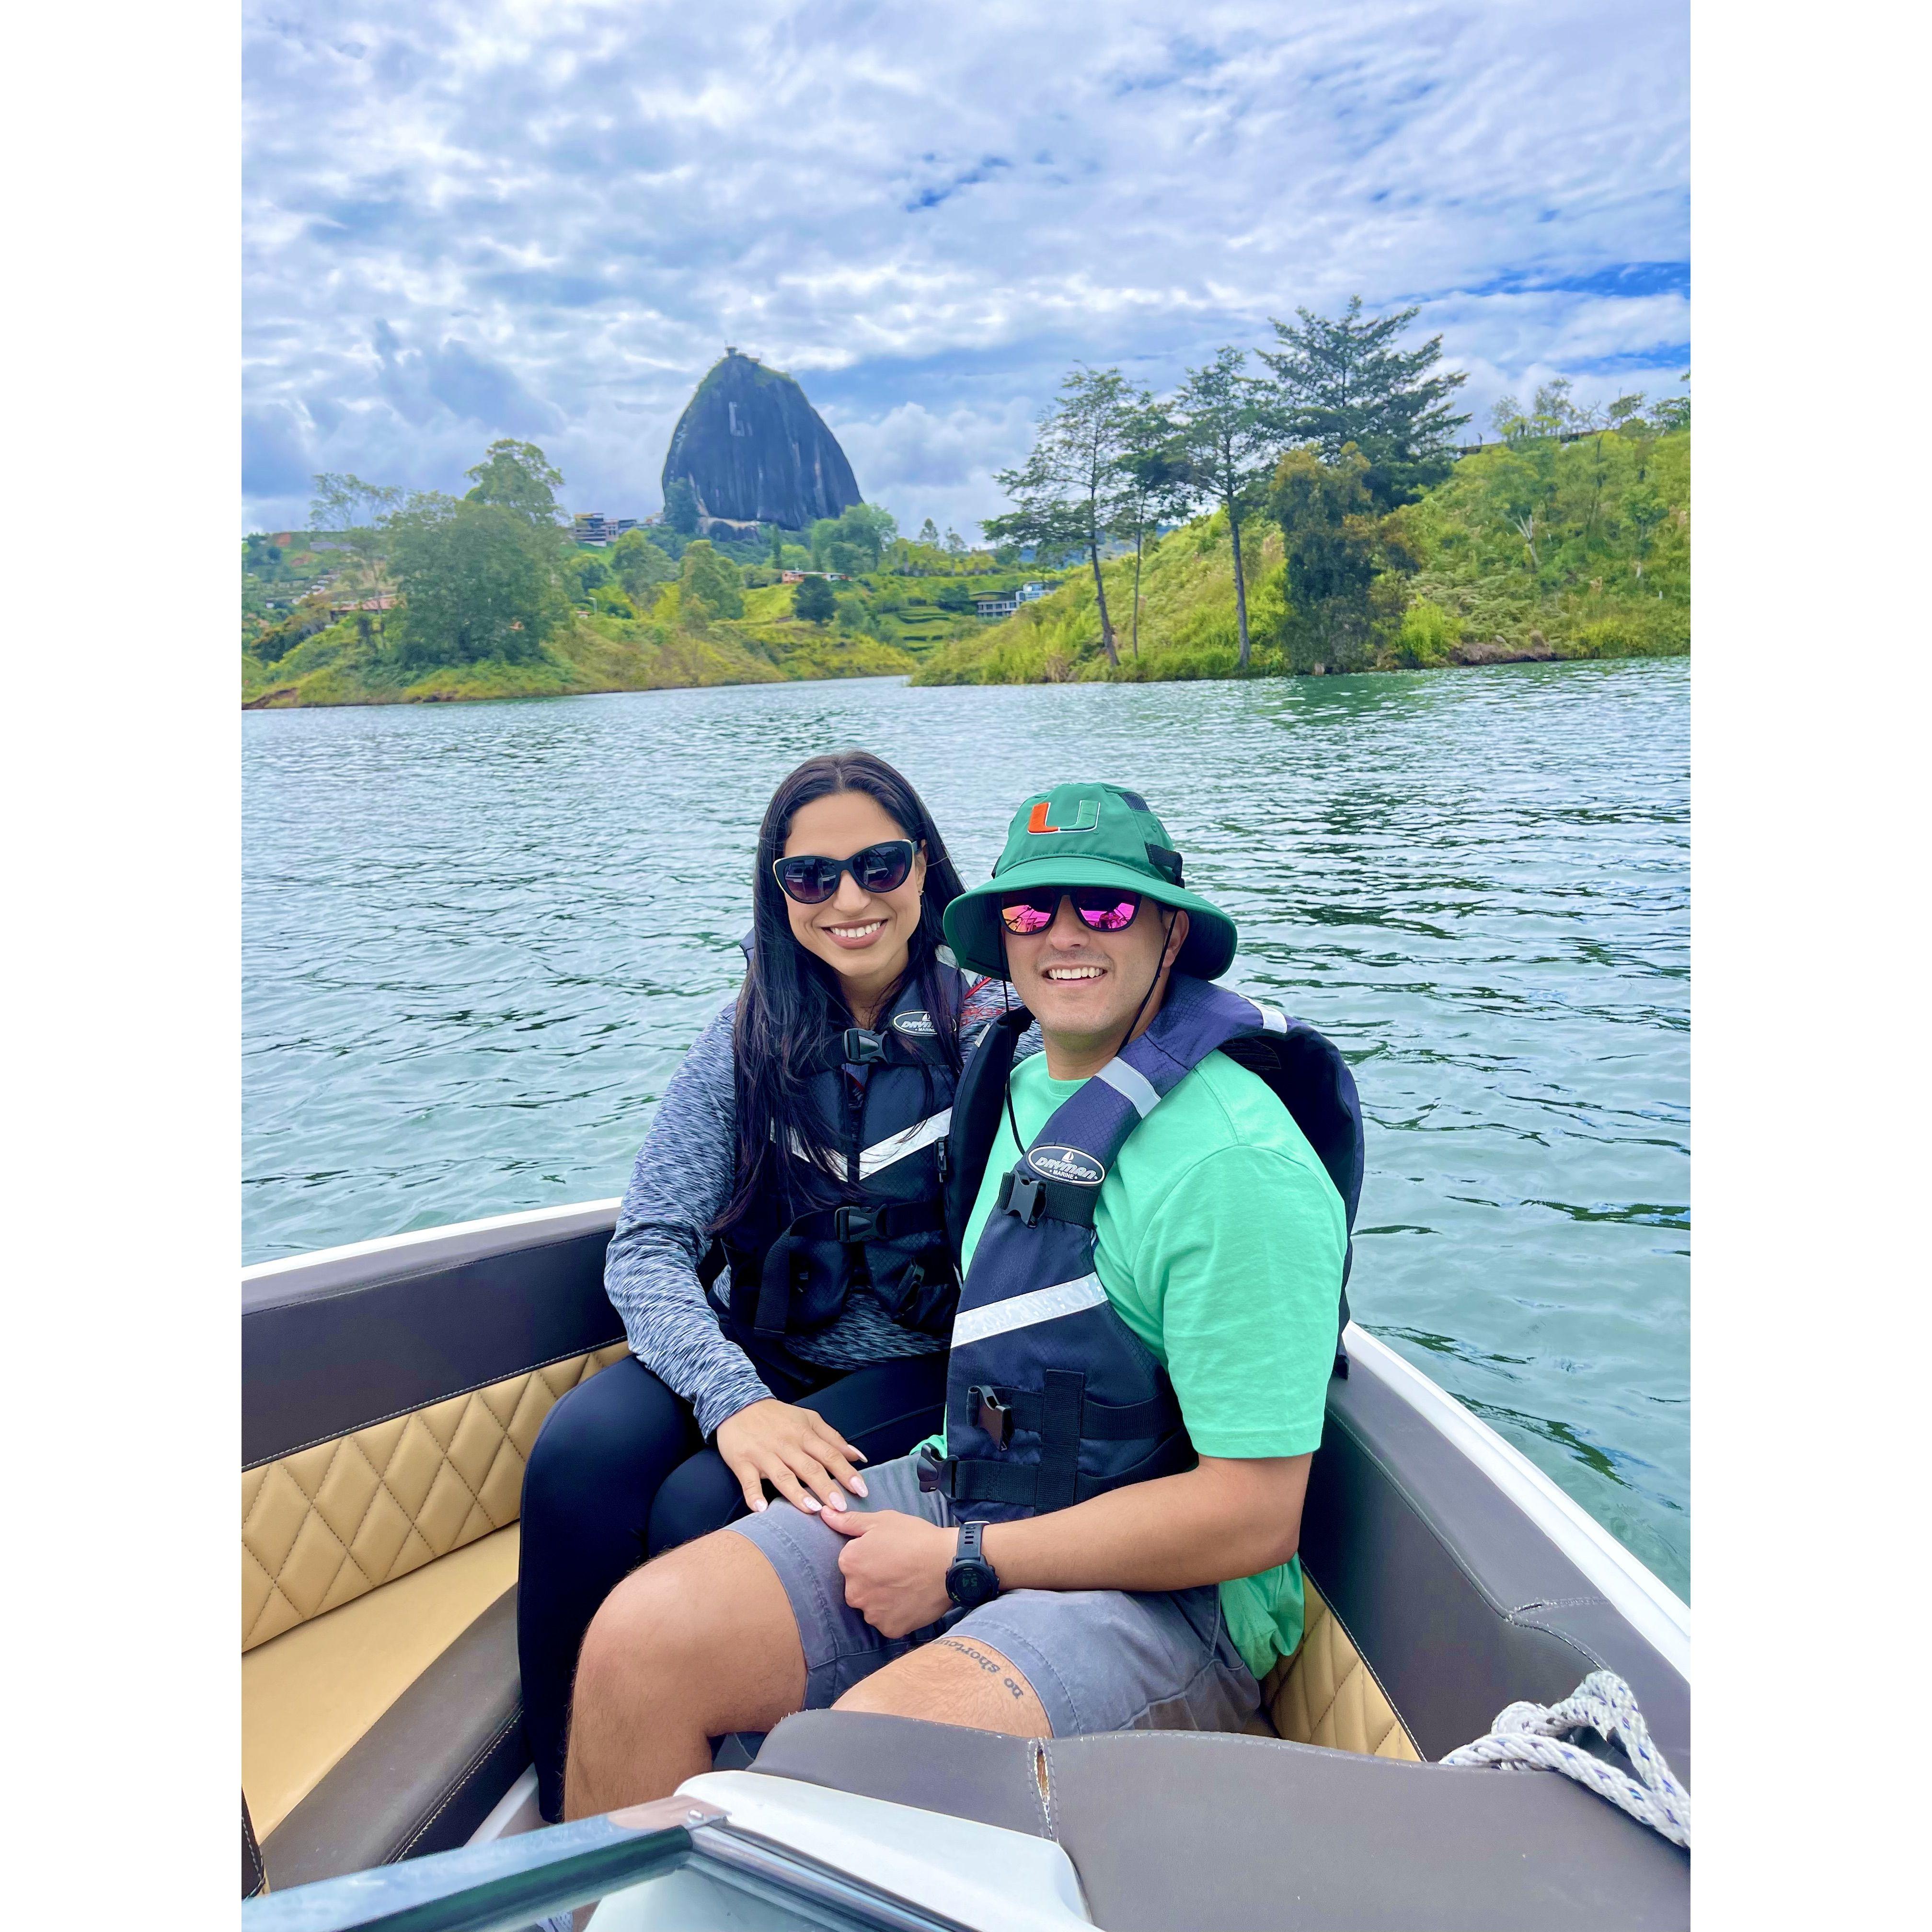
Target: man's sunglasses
<point>1101,908</point>
<point>883,867</point>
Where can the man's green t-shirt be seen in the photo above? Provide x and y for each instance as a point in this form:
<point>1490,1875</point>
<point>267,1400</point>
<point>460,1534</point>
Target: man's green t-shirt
<point>1219,1239</point>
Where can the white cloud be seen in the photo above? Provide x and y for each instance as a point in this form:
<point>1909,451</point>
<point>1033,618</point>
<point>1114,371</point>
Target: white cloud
<point>546,219</point>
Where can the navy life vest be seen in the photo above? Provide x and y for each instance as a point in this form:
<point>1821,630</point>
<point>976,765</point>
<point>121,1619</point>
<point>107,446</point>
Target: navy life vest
<point>881,1225</point>
<point>1050,1397</point>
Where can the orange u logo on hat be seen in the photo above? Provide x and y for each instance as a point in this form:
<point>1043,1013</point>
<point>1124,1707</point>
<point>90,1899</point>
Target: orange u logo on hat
<point>1086,819</point>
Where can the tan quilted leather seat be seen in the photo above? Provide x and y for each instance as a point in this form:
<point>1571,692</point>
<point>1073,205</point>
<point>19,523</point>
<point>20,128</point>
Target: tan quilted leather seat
<point>1326,1694</point>
<point>322,1526</point>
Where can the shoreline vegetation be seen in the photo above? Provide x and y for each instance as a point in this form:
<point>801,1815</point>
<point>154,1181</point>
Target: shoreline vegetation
<point>1315,521</point>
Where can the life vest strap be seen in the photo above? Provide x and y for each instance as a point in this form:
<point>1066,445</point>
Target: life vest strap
<point>1099,1421</point>
<point>854,1224</point>
<point>1033,1198</point>
<point>860,1046</point>
<point>979,1480</point>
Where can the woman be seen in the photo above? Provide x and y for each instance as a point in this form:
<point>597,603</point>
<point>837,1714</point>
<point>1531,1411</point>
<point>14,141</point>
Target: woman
<point>780,1260</point>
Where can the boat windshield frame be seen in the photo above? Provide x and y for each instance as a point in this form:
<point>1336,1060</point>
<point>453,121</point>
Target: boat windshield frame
<point>510,1883</point>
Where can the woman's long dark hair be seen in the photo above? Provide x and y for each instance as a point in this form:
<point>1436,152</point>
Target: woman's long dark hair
<point>792,1007</point>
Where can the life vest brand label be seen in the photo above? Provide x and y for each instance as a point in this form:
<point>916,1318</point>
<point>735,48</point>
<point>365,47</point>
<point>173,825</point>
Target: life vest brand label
<point>918,1024</point>
<point>1067,1163</point>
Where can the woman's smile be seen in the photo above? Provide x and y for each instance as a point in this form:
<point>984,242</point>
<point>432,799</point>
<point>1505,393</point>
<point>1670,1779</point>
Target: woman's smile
<point>854,935</point>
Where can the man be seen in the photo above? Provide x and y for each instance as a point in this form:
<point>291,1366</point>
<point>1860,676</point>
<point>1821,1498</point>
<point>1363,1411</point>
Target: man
<point>1151,1272</point>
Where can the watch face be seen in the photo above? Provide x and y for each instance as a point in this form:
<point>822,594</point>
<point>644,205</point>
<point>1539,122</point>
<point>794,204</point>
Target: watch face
<point>970,1585</point>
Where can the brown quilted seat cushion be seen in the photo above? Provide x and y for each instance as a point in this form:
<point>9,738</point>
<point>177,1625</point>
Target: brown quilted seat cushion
<point>1326,1694</point>
<point>321,1527</point>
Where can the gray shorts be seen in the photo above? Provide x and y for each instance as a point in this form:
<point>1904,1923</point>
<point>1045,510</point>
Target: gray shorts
<point>1098,1659</point>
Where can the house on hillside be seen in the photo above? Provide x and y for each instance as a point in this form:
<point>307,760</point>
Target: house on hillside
<point>587,527</point>
<point>996,603</point>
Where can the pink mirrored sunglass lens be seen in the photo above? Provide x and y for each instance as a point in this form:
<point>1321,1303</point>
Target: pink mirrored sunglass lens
<point>1109,918</point>
<point>1025,919</point>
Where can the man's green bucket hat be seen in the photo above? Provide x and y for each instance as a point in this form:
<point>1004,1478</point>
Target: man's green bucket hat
<point>1087,835</point>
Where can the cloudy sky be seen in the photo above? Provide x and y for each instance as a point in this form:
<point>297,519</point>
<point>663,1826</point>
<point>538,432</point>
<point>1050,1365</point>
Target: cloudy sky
<point>546,219</point>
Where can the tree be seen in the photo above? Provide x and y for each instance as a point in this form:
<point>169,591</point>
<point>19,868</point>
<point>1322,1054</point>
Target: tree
<point>1231,428</point>
<point>853,541</point>
<point>356,514</point>
<point>709,585</point>
<point>1066,491</point>
<point>1153,485</point>
<point>813,599</point>
<point>680,507</point>
<point>871,528</point>
<point>1342,380</point>
<point>345,504</point>
<point>1551,414</point>
<point>929,533</point>
<point>1671,412</point>
<point>641,566</point>
<point>517,477</point>
<point>1338,540</point>
<point>589,570</point>
<point>479,580</point>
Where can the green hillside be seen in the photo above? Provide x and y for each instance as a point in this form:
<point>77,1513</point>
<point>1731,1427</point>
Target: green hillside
<point>1529,550</point>
<point>593,653</point>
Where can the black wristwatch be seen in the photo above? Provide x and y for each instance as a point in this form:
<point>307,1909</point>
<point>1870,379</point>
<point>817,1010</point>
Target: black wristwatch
<point>971,1580</point>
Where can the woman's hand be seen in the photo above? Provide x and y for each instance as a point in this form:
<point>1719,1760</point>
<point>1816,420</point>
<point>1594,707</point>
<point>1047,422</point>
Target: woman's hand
<point>799,1453</point>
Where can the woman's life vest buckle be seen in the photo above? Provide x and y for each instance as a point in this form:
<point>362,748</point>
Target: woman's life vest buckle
<point>855,1224</point>
<point>861,1048</point>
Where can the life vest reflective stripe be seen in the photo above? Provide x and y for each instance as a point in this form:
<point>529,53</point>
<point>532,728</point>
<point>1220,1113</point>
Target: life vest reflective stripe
<point>1132,1085</point>
<point>921,1134</point>
<point>895,1148</point>
<point>1050,1397</point>
<point>1023,1311</point>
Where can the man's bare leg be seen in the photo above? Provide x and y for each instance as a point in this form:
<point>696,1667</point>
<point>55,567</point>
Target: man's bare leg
<point>700,1642</point>
<point>953,1680</point>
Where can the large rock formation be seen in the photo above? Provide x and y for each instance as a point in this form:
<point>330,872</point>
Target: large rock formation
<point>754,451</point>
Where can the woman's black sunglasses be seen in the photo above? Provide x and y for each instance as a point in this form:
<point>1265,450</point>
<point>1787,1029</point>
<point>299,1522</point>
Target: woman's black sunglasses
<point>883,868</point>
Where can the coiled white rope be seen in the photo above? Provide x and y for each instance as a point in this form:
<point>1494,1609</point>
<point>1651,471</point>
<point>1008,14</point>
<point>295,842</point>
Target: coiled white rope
<point>1532,1737</point>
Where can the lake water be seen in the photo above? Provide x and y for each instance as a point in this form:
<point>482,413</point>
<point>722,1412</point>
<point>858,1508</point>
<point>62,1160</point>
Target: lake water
<point>478,939</point>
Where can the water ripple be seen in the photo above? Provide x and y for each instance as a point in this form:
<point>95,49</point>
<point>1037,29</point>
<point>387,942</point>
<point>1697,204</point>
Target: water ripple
<point>479,939</point>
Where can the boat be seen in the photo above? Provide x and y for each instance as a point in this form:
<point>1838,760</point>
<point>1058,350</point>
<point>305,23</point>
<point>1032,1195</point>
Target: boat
<point>391,1391</point>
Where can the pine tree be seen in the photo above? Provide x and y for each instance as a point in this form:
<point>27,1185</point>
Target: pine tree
<point>1152,485</point>
<point>1066,489</point>
<point>1343,381</point>
<point>1230,429</point>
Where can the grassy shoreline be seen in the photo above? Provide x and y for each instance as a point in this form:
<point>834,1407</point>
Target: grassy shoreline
<point>594,654</point>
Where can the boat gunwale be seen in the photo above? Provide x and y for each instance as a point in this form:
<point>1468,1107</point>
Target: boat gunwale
<point>1638,1594</point>
<point>355,1265</point>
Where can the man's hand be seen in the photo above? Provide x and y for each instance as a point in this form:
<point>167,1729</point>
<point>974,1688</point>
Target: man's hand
<point>895,1568</point>
<point>802,1457</point>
